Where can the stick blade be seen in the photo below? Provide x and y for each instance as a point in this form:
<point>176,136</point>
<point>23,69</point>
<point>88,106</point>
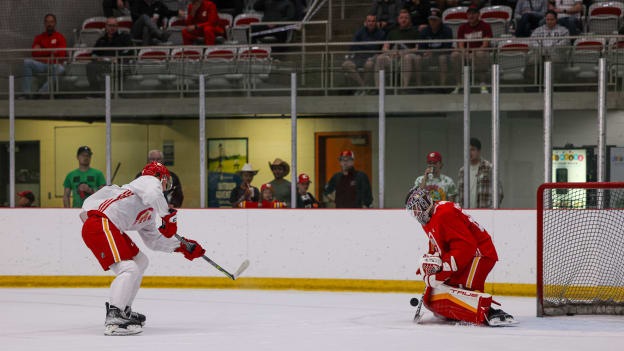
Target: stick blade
<point>241,269</point>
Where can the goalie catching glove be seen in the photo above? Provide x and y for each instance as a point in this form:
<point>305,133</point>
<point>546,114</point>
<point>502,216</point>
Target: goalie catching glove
<point>190,249</point>
<point>169,224</point>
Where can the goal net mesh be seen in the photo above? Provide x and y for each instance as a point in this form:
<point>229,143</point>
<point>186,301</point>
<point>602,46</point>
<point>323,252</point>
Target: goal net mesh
<point>582,250</point>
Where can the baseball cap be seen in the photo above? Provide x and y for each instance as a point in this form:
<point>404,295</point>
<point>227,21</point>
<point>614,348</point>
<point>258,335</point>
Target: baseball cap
<point>434,157</point>
<point>267,186</point>
<point>347,153</point>
<point>83,149</point>
<point>435,13</point>
<point>473,8</point>
<point>27,194</point>
<point>304,178</point>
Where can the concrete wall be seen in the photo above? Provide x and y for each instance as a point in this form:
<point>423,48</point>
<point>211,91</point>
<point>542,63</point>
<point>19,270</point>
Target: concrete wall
<point>334,244</point>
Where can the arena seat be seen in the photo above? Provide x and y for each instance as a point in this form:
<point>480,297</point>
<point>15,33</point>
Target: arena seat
<point>513,57</point>
<point>585,55</point>
<point>498,17</point>
<point>220,66</point>
<point>151,71</point>
<point>455,17</point>
<point>241,26</point>
<point>605,17</point>
<point>256,63</point>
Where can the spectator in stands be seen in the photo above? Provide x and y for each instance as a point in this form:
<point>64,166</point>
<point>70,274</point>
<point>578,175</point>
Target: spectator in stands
<point>266,199</point>
<point>112,38</point>
<point>26,199</point>
<point>475,28</point>
<point>406,52</point>
<point>174,196</point>
<point>568,14</point>
<point>202,21</point>
<point>528,14</point>
<point>109,6</point>
<point>350,188</point>
<point>480,179</point>
<point>148,17</point>
<point>434,53</point>
<point>386,12</point>
<point>245,191</point>
<point>45,61</point>
<point>304,198</point>
<point>364,60</point>
<point>419,11</point>
<point>551,30</point>
<point>280,186</point>
<point>274,11</point>
<point>82,181</point>
<point>441,187</point>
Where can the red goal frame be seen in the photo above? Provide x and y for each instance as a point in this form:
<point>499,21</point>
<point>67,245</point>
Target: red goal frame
<point>540,226</point>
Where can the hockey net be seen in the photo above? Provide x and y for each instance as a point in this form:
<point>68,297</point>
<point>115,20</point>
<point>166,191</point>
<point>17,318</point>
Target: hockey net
<point>580,248</point>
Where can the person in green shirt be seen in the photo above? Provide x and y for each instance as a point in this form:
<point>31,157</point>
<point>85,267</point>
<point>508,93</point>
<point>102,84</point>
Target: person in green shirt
<point>281,187</point>
<point>407,52</point>
<point>82,181</point>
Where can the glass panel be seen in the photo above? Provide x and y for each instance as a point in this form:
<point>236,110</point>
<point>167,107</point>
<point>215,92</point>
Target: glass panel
<point>47,161</point>
<point>4,160</point>
<point>171,140</point>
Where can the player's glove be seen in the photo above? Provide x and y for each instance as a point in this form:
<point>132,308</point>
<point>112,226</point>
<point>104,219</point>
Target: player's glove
<point>169,224</point>
<point>431,281</point>
<point>190,249</point>
<point>430,264</point>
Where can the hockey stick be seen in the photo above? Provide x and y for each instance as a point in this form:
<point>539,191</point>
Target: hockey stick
<point>418,305</point>
<point>239,271</point>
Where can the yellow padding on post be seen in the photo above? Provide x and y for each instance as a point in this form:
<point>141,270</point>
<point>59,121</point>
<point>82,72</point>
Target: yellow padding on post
<point>309,284</point>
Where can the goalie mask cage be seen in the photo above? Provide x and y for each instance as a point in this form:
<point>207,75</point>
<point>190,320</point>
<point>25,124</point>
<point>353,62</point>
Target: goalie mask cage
<point>580,249</point>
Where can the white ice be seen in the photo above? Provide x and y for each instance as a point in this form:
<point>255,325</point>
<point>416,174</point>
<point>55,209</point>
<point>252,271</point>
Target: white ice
<point>252,320</point>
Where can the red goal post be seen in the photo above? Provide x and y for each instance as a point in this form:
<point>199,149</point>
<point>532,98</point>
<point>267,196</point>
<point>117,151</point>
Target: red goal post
<point>580,248</point>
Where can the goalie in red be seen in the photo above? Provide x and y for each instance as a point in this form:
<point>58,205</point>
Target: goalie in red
<point>107,215</point>
<point>460,257</point>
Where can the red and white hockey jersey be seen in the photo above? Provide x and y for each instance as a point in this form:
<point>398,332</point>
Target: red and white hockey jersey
<point>457,237</point>
<point>137,206</point>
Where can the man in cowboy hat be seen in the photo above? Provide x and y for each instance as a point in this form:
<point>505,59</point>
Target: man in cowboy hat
<point>281,187</point>
<point>245,192</point>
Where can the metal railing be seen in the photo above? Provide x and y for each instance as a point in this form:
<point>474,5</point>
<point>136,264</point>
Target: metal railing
<point>324,68</point>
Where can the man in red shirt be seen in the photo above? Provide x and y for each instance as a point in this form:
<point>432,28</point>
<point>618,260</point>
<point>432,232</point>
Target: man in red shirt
<point>475,28</point>
<point>45,61</point>
<point>201,22</point>
<point>460,257</point>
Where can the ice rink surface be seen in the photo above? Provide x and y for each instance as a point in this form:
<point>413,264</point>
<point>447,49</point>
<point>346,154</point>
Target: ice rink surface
<point>223,320</point>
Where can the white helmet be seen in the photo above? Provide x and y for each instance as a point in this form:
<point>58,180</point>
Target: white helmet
<point>419,204</point>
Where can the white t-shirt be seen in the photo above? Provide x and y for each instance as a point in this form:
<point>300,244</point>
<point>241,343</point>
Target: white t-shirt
<point>135,207</point>
<point>564,5</point>
<point>473,185</point>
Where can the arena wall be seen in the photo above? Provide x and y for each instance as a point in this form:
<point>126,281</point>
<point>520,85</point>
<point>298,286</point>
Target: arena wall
<point>357,250</point>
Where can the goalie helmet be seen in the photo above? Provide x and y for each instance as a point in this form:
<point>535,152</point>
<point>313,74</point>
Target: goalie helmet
<point>159,171</point>
<point>419,204</point>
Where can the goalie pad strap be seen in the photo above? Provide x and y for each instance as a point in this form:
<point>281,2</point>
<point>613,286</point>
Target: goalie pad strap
<point>458,304</point>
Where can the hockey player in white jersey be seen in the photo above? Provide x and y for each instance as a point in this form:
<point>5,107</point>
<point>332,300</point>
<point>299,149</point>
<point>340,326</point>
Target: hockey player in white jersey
<point>137,206</point>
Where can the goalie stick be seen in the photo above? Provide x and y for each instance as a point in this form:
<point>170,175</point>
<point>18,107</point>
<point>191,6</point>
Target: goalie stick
<point>418,304</point>
<point>239,271</point>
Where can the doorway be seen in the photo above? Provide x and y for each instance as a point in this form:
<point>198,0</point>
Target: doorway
<point>330,144</point>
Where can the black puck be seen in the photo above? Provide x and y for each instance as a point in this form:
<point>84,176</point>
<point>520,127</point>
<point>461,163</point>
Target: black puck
<point>414,301</point>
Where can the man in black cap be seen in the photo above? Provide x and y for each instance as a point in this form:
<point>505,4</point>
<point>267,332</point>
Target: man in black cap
<point>82,181</point>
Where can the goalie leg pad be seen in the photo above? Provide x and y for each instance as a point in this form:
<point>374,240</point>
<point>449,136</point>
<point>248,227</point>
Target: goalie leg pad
<point>458,304</point>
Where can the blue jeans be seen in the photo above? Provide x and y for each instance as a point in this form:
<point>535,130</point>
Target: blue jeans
<point>527,23</point>
<point>35,66</point>
<point>572,23</point>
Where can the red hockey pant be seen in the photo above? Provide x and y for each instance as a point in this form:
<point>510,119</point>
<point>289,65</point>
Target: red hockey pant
<point>207,32</point>
<point>108,244</point>
<point>473,276</point>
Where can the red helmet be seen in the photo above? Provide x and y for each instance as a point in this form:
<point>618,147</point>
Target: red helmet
<point>159,171</point>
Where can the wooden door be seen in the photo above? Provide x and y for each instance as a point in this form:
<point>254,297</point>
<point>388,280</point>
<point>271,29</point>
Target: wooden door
<point>330,144</point>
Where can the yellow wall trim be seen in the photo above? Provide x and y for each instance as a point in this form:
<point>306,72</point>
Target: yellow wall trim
<point>362,285</point>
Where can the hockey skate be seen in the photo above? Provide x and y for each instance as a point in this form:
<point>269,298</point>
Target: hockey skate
<point>118,323</point>
<point>499,318</point>
<point>135,315</point>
